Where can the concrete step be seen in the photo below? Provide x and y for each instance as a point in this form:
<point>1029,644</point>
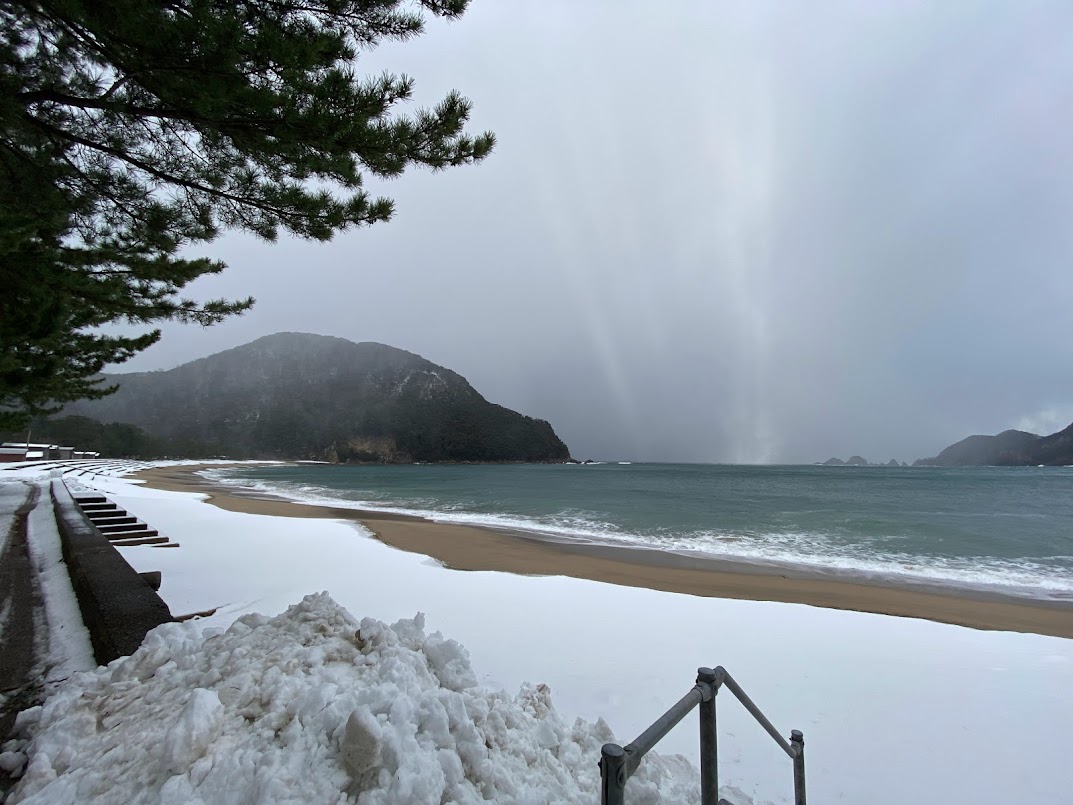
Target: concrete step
<point>96,507</point>
<point>104,514</point>
<point>121,543</point>
<point>131,526</point>
<point>80,499</point>
<point>168,545</point>
<point>113,519</point>
<point>191,615</point>
<point>138,532</point>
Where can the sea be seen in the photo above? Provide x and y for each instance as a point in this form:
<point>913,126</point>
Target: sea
<point>1006,530</point>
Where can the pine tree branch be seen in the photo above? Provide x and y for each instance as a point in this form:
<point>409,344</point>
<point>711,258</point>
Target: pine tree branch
<point>169,178</point>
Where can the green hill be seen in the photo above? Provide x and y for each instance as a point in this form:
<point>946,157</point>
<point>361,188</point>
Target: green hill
<point>295,395</point>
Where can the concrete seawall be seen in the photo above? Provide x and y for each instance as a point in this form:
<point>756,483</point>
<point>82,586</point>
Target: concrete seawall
<point>118,606</point>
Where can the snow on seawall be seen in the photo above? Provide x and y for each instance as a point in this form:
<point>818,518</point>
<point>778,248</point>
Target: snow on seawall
<point>311,706</point>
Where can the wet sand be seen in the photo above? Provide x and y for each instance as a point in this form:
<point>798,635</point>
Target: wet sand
<point>462,547</point>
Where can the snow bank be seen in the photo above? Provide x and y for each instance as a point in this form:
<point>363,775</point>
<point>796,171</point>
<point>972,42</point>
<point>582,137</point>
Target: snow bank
<point>311,706</point>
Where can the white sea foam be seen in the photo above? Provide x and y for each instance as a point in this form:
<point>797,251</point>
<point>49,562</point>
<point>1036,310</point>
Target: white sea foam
<point>786,549</point>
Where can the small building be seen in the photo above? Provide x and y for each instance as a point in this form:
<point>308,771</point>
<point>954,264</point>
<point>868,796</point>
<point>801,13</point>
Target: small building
<point>34,451</point>
<point>39,451</point>
<point>38,446</point>
<point>10,454</point>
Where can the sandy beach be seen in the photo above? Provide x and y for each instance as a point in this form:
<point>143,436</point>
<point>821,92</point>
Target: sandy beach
<point>462,547</point>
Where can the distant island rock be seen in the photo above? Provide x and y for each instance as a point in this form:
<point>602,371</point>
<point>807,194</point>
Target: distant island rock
<point>854,461</point>
<point>858,461</point>
<point>1011,448</point>
<point>302,396</point>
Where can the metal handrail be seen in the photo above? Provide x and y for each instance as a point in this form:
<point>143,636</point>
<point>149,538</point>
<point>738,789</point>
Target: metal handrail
<point>617,763</point>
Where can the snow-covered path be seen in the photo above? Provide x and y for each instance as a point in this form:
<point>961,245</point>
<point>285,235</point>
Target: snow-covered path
<point>12,496</point>
<point>18,598</point>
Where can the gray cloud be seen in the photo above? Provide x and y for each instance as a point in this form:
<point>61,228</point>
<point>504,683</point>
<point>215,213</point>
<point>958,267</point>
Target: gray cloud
<point>720,232</point>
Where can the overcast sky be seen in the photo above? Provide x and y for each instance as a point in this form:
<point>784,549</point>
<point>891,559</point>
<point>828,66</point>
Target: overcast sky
<point>728,232</point>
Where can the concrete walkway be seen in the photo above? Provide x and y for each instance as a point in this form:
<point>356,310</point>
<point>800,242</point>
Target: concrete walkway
<point>20,611</point>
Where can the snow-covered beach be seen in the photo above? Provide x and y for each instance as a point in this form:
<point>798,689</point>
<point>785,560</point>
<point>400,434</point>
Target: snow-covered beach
<point>893,709</point>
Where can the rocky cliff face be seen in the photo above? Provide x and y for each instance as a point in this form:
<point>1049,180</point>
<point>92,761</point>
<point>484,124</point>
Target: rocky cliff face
<point>1056,448</point>
<point>294,395</point>
<point>1009,448</point>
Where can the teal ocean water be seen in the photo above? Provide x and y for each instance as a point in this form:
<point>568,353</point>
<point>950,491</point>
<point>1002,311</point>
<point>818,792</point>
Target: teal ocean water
<point>1009,529</point>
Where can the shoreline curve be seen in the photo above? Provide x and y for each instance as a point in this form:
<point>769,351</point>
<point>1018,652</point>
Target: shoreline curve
<point>481,548</point>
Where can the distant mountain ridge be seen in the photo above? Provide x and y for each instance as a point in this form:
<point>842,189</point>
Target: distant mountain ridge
<point>297,395</point>
<point>1010,448</point>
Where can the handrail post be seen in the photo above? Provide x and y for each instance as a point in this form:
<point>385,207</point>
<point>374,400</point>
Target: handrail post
<point>617,763</point>
<point>709,742</point>
<point>612,775</point>
<point>797,741</point>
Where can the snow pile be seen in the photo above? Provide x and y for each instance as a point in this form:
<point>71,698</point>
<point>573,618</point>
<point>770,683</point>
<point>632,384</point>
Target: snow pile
<point>311,706</point>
